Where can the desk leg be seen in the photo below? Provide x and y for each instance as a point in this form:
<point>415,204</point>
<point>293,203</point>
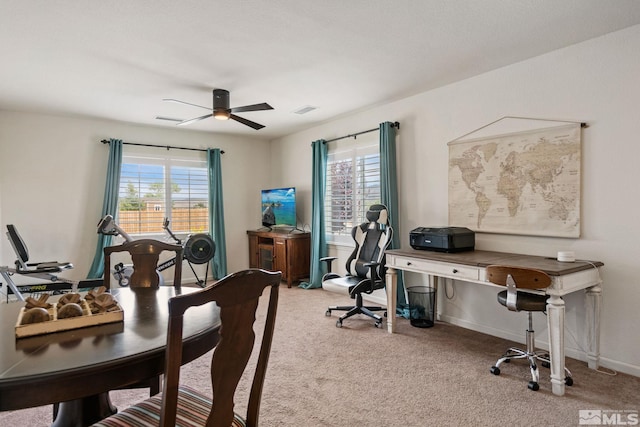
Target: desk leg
<point>392,293</point>
<point>594,298</point>
<point>555,325</point>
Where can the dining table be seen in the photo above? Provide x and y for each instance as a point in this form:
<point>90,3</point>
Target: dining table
<point>76,369</point>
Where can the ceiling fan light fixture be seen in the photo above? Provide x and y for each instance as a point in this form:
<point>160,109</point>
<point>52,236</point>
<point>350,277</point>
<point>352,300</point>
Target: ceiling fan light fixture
<point>221,114</point>
<point>221,110</point>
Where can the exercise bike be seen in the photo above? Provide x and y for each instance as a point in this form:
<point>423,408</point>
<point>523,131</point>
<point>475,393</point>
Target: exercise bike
<point>198,249</point>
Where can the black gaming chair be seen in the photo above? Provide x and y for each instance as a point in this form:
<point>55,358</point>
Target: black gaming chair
<point>365,266</point>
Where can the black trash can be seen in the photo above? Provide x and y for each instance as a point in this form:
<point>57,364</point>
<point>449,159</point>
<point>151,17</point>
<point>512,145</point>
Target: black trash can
<point>422,301</point>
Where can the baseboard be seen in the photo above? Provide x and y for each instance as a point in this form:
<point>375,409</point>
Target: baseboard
<point>541,344</point>
<point>618,366</point>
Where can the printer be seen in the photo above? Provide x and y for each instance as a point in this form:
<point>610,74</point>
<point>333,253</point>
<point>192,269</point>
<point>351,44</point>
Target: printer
<point>442,239</point>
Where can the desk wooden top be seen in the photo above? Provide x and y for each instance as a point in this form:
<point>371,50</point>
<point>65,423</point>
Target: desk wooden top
<point>73,364</point>
<point>482,259</point>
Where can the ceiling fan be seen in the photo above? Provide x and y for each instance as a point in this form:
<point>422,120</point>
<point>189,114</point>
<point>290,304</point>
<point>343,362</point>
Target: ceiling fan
<point>221,110</point>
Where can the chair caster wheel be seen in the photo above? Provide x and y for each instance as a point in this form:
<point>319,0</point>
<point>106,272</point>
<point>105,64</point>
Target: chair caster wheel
<point>339,323</point>
<point>327,313</point>
<point>568,381</point>
<point>533,386</point>
<point>378,324</point>
<point>495,370</point>
<point>385,314</point>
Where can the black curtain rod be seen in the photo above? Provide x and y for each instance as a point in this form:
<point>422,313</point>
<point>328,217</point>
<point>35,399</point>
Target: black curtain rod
<point>353,135</point>
<point>168,147</point>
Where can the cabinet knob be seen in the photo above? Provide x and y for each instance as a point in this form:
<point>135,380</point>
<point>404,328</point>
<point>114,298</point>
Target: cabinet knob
<point>408,262</point>
<point>455,271</point>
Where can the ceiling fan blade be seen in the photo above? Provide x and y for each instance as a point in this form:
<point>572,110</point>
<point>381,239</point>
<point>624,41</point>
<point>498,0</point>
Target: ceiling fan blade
<point>254,107</point>
<point>256,126</point>
<point>171,119</point>
<point>197,119</point>
<point>186,103</point>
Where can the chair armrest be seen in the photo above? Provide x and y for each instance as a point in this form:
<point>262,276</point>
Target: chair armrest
<point>373,273</point>
<point>368,285</point>
<point>328,260</point>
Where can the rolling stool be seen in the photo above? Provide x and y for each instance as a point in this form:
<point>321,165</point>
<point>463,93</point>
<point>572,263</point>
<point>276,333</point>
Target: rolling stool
<point>515,278</point>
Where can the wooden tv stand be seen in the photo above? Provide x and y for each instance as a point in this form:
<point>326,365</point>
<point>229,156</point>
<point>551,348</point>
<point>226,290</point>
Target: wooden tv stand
<point>288,252</point>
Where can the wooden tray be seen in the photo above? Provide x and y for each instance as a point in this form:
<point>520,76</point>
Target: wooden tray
<point>57,325</point>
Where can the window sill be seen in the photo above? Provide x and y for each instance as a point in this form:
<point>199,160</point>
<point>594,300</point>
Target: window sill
<point>340,244</point>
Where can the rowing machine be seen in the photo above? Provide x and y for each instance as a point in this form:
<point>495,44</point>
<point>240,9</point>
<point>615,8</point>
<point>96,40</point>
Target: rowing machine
<point>198,249</point>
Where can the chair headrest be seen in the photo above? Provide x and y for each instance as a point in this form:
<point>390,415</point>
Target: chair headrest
<point>379,214</point>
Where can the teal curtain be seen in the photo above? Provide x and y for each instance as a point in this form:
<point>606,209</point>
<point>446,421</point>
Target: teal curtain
<point>389,194</point>
<point>216,213</point>
<point>318,237</point>
<point>109,205</point>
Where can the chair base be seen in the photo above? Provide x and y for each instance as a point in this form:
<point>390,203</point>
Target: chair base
<point>359,308</point>
<point>532,357</point>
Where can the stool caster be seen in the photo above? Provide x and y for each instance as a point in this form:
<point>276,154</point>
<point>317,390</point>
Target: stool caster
<point>339,323</point>
<point>495,370</point>
<point>327,313</point>
<point>568,381</point>
<point>533,386</point>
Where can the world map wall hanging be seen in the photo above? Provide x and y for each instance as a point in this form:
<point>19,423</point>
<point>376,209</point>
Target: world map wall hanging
<point>518,183</point>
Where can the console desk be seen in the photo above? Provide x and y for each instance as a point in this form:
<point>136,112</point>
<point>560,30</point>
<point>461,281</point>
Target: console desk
<point>566,277</point>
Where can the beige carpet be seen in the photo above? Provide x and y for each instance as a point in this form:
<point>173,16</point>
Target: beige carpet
<point>359,375</point>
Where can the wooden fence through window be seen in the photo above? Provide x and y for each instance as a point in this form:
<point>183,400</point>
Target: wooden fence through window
<point>183,220</point>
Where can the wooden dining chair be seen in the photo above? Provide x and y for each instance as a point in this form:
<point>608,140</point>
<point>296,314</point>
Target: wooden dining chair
<point>145,254</point>
<point>237,296</point>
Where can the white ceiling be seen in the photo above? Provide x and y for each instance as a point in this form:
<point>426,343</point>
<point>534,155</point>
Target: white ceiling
<point>117,59</point>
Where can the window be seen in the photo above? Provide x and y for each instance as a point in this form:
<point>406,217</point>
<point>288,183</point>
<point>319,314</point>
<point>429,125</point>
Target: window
<point>154,188</point>
<point>353,184</point>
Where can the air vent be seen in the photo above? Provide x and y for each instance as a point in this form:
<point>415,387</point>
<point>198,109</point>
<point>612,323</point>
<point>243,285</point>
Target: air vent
<point>305,109</point>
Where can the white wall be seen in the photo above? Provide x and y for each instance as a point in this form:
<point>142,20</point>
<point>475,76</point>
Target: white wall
<point>52,174</point>
<point>596,82</point>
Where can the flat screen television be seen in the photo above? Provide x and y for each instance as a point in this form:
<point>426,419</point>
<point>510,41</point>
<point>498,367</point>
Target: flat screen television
<point>279,207</point>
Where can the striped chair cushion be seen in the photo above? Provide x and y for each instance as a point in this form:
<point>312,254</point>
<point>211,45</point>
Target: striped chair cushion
<point>193,410</point>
